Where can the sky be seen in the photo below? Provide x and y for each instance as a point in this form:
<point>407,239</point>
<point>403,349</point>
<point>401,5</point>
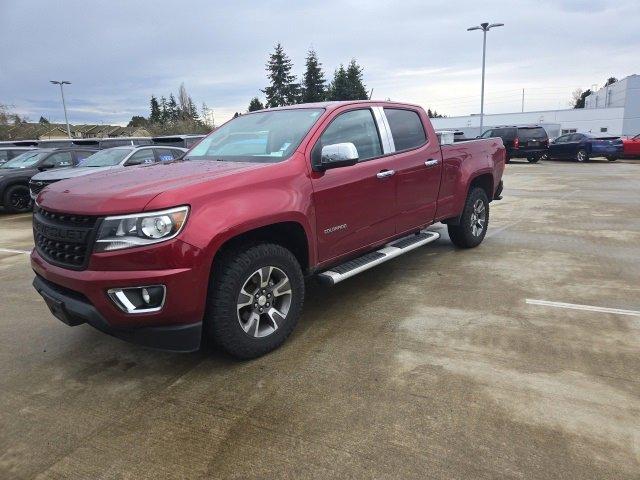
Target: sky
<point>118,53</point>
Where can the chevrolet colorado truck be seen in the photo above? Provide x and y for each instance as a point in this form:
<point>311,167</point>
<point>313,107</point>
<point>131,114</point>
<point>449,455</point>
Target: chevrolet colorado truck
<point>217,245</point>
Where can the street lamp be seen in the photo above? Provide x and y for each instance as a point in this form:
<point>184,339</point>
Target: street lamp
<point>64,106</point>
<point>485,27</point>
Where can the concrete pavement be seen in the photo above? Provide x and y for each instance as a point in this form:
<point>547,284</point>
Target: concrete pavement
<point>430,366</point>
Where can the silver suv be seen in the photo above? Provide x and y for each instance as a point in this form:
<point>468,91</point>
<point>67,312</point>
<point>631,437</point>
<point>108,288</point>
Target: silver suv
<point>108,159</point>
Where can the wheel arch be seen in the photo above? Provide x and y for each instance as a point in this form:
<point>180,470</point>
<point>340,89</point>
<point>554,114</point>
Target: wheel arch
<point>290,234</point>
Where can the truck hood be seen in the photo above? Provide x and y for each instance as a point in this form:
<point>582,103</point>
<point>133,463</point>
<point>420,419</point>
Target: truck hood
<point>64,173</point>
<point>129,190</point>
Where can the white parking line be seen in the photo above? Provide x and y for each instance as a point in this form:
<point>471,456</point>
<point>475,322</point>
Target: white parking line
<point>589,308</point>
<point>11,250</point>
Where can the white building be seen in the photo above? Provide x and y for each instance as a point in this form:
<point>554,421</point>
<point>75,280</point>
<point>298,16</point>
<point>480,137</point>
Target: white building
<point>612,110</point>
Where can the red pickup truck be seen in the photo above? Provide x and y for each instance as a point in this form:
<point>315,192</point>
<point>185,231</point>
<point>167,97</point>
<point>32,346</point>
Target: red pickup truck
<point>217,245</point>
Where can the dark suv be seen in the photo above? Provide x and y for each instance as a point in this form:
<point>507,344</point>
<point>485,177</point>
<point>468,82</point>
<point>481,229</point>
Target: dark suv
<point>530,141</point>
<point>16,173</point>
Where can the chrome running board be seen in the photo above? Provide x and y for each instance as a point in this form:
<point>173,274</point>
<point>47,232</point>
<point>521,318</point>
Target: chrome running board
<point>369,260</point>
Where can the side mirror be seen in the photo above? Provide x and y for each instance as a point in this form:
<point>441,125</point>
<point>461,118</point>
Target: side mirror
<point>134,161</point>
<point>46,166</point>
<point>337,155</point>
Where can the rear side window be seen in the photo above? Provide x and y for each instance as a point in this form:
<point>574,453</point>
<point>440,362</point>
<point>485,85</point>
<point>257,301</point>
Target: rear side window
<point>355,126</point>
<point>537,133</point>
<point>406,128</point>
<point>83,154</point>
<point>167,154</point>
<point>4,155</point>
<point>504,133</point>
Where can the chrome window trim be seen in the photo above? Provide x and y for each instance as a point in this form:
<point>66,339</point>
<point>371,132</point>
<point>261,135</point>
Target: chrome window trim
<point>385,131</point>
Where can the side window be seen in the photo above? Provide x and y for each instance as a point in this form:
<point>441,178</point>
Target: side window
<point>487,134</point>
<point>357,127</point>
<point>167,154</point>
<point>576,137</point>
<point>562,139</point>
<point>141,157</point>
<point>406,128</point>
<point>82,155</point>
<point>4,155</point>
<point>60,159</point>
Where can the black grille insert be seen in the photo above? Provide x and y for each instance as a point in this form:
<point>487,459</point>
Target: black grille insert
<point>64,239</point>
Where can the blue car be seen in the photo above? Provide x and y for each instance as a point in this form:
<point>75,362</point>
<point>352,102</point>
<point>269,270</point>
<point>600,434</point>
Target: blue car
<point>582,146</point>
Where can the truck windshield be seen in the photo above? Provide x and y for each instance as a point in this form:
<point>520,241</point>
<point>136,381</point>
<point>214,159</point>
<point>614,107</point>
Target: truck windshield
<point>265,137</point>
<point>106,158</point>
<point>25,160</point>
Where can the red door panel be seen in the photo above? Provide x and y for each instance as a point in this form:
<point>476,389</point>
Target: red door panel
<point>354,208</point>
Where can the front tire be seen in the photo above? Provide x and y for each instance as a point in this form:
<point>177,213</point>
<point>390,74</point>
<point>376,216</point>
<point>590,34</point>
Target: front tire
<point>255,299</point>
<point>533,159</point>
<point>612,159</point>
<point>582,156</point>
<point>17,199</point>
<point>474,221</point>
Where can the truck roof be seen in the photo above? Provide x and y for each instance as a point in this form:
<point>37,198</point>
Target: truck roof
<point>337,104</point>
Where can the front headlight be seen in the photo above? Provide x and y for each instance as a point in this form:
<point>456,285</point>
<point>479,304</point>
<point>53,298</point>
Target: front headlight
<point>138,229</point>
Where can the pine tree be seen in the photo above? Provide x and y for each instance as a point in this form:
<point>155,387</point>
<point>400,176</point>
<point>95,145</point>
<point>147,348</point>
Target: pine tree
<point>339,89</point>
<point>255,104</point>
<point>164,111</point>
<point>356,89</point>
<point>156,115</point>
<point>314,88</point>
<point>283,89</point>
<point>193,111</point>
<point>172,109</point>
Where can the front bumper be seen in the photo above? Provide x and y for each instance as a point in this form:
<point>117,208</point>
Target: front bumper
<point>82,295</point>
<point>72,309</point>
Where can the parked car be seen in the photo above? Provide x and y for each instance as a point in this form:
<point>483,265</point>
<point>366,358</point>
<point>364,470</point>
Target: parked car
<point>631,147</point>
<point>526,141</point>
<point>7,153</point>
<point>110,142</point>
<point>16,173</point>
<point>220,244</point>
<point>582,146</point>
<point>184,141</point>
<point>116,157</point>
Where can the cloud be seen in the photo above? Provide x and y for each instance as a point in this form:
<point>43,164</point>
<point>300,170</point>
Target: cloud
<point>118,53</point>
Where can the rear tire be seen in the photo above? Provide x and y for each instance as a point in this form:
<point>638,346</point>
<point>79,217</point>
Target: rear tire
<point>17,199</point>
<point>582,156</point>
<point>612,159</point>
<point>533,159</point>
<point>255,299</point>
<point>474,221</point>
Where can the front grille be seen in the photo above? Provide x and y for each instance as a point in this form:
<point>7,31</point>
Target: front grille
<point>64,239</point>
<point>36,186</point>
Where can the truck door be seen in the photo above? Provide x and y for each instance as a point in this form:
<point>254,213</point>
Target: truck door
<point>355,205</point>
<point>418,164</point>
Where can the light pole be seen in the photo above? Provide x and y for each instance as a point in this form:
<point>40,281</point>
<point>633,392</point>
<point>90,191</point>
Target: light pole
<point>64,105</point>
<point>485,27</point>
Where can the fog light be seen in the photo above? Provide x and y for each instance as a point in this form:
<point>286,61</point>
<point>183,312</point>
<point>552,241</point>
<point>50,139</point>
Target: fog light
<point>139,299</point>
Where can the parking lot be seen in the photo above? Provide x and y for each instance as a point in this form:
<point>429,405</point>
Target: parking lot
<point>430,366</point>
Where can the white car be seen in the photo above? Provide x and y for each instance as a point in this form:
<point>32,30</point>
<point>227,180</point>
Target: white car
<point>116,157</point>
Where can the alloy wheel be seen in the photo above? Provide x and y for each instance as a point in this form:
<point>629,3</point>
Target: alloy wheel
<point>264,301</point>
<point>478,218</point>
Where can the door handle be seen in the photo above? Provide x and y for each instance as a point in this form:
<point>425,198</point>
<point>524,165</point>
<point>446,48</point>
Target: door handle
<point>385,173</point>
<point>432,162</point>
